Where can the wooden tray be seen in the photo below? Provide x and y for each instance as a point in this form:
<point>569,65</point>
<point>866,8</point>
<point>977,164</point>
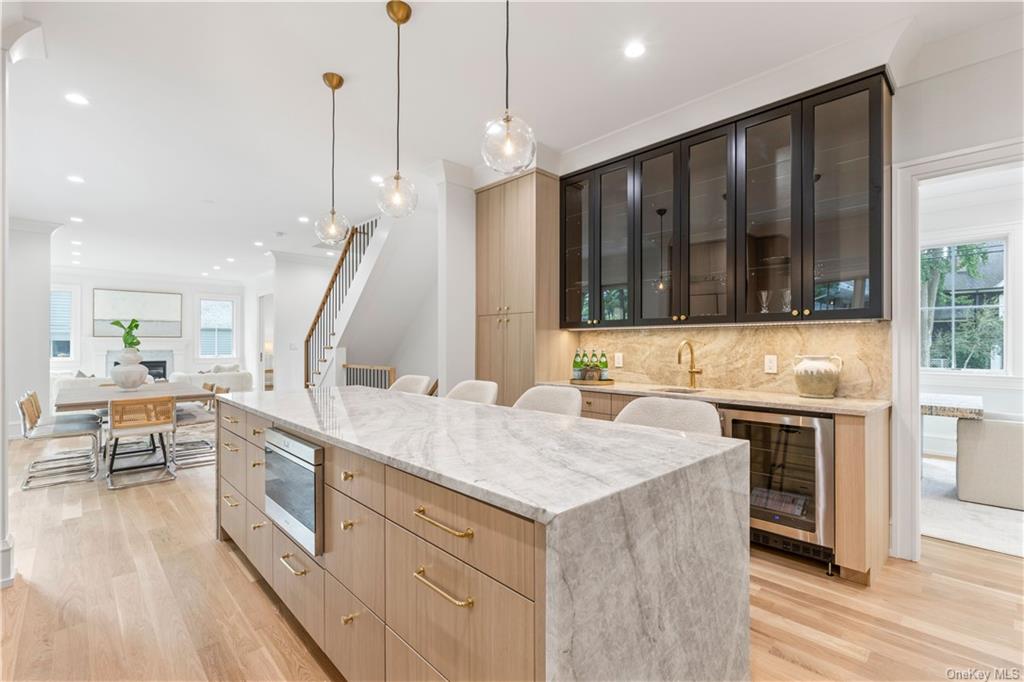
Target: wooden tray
<point>589,382</point>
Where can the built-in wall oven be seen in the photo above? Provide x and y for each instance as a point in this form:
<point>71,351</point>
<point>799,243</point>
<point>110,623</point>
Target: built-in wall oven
<point>294,498</point>
<point>792,479</point>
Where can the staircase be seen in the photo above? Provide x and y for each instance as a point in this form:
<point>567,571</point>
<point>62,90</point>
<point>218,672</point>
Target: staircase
<point>320,339</point>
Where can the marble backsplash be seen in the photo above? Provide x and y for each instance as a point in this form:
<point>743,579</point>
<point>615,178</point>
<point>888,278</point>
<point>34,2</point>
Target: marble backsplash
<point>733,357</point>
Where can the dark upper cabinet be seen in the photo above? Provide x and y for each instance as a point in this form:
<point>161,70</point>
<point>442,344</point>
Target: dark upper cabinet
<point>768,229</point>
<point>776,216</point>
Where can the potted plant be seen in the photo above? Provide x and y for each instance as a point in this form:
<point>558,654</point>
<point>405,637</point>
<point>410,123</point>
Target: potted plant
<point>129,373</point>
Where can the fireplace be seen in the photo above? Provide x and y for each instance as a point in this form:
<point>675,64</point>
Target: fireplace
<point>157,368</point>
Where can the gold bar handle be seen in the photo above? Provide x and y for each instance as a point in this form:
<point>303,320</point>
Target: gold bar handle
<point>421,513</point>
<point>230,420</point>
<point>230,500</point>
<point>346,525</point>
<point>347,620</point>
<point>257,432</point>
<point>284,560</point>
<point>256,464</point>
<point>257,526</point>
<point>230,448</point>
<point>420,575</point>
<point>347,475</point>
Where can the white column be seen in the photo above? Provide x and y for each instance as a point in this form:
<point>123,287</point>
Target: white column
<point>456,275</point>
<point>6,542</point>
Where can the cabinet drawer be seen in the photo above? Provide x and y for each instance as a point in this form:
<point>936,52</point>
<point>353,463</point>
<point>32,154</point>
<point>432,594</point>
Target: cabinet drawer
<point>255,475</point>
<point>353,636</point>
<point>232,418</point>
<point>299,582</point>
<point>465,624</point>
<point>256,429</point>
<point>232,512</point>
<point>620,401</point>
<point>600,403</point>
<point>497,542</point>
<point>259,542</point>
<point>231,454</point>
<point>596,415</point>
<point>404,664</point>
<point>360,478</point>
<point>354,548</point>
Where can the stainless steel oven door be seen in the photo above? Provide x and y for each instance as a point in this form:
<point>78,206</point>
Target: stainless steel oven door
<point>792,473</point>
<point>294,498</point>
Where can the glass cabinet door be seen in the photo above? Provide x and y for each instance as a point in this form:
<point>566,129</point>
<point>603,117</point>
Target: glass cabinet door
<point>768,213</point>
<point>576,251</point>
<point>709,226</point>
<point>657,249</point>
<point>615,248</point>
<point>842,190</point>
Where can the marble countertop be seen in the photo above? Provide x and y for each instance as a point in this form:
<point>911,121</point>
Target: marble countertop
<point>746,398</point>
<point>949,405</point>
<point>534,464</point>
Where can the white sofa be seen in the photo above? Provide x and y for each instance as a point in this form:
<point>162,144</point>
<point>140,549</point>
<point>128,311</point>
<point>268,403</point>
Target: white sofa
<point>231,378</point>
<point>990,460</point>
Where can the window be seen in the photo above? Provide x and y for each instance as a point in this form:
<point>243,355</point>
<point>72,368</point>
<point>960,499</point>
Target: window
<point>963,306</point>
<point>216,328</point>
<point>61,302</point>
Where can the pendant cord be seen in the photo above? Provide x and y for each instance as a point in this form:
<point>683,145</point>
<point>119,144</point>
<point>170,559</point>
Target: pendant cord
<point>506,53</point>
<point>398,95</point>
<point>334,94</point>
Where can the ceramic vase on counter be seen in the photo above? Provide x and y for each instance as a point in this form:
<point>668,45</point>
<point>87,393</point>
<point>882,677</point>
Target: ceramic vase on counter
<point>129,373</point>
<point>817,376</point>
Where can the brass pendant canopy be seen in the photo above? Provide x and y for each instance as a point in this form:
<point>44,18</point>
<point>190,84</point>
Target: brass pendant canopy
<point>399,11</point>
<point>333,80</point>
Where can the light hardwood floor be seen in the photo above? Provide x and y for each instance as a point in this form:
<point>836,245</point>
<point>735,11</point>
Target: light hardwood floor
<point>131,585</point>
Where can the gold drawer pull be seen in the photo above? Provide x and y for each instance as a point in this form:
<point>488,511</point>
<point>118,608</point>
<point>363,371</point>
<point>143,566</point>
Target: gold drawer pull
<point>345,525</point>
<point>230,420</point>
<point>255,464</point>
<point>421,513</point>
<point>284,560</point>
<point>230,500</point>
<point>420,575</point>
<point>347,475</point>
<point>347,620</point>
<point>230,448</point>
<point>257,432</point>
<point>587,403</point>
<point>257,526</point>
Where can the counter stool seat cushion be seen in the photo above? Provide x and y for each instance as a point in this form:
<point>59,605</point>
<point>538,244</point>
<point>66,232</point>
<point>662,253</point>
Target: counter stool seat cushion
<point>554,399</point>
<point>677,414</point>
<point>475,391</point>
<point>412,383</point>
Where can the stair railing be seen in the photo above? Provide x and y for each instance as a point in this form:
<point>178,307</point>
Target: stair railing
<point>320,337</point>
<point>374,376</point>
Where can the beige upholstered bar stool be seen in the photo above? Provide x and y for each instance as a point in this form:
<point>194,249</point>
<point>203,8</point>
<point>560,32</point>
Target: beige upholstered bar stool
<point>145,417</point>
<point>69,466</point>
<point>475,391</point>
<point>413,383</point>
<point>677,414</point>
<point>554,399</point>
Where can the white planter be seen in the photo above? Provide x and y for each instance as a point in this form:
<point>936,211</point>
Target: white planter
<point>129,374</point>
<point>817,376</point>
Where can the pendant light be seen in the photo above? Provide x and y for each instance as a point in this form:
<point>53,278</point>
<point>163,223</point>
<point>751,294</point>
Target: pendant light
<point>332,229</point>
<point>397,196</point>
<point>508,145</point>
<point>660,286</point>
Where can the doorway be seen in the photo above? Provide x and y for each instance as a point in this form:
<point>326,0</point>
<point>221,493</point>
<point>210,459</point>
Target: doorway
<point>265,323</point>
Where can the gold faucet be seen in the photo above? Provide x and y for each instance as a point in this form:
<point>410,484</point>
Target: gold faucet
<point>693,365</point>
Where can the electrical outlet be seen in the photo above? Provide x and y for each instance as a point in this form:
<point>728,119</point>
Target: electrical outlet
<point>618,359</point>
<point>771,364</point>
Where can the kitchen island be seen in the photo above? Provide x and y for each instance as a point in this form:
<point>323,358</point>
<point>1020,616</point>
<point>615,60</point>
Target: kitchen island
<point>466,541</point>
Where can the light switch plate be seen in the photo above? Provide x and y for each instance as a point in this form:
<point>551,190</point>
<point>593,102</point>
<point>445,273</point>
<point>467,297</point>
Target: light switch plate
<point>618,359</point>
<point>771,364</point>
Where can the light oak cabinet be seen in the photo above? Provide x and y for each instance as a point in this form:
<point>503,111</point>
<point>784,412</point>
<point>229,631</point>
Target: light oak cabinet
<point>232,512</point>
<point>259,542</point>
<point>231,455</point>
<point>518,338</point>
<point>299,581</point>
<point>255,475</point>
<point>354,547</point>
<point>360,478</point>
<point>405,665</point>
<point>353,636</point>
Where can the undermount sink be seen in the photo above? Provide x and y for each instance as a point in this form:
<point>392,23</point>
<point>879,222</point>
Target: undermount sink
<point>679,389</point>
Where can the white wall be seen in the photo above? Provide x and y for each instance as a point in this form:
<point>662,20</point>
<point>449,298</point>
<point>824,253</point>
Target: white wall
<point>417,352</point>
<point>90,355</point>
<point>298,284</point>
<point>27,318</point>
<point>254,288</point>
<point>455,296</point>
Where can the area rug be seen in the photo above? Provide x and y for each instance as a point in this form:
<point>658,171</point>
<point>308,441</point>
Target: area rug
<point>945,517</point>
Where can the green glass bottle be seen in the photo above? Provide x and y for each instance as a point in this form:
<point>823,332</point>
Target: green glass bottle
<point>603,364</point>
<point>577,366</point>
<point>593,359</point>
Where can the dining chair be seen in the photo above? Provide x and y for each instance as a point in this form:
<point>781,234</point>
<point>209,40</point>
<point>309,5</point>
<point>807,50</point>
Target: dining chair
<point>677,414</point>
<point>554,399</point>
<point>414,383</point>
<point>475,391</point>
<point>67,466</point>
<point>133,417</point>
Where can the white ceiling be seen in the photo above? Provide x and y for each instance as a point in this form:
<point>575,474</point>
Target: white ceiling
<point>208,127</point>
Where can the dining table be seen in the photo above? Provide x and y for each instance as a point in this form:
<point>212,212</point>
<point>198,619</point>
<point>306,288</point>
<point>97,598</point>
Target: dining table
<point>98,396</point>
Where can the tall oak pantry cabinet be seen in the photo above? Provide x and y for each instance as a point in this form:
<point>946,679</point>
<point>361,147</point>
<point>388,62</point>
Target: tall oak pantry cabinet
<point>518,340</point>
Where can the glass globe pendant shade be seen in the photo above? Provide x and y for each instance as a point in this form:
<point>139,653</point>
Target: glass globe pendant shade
<point>332,229</point>
<point>397,197</point>
<point>509,145</point>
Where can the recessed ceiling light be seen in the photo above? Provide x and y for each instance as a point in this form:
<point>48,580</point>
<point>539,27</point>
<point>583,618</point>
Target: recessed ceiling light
<point>634,49</point>
<point>216,267</point>
<point>75,219</point>
<point>77,98</point>
<point>266,253</point>
<point>257,243</point>
<point>376,179</point>
<point>230,260</point>
<point>329,254</point>
<point>75,262</point>
<point>303,219</point>
<point>76,253</point>
<point>76,243</point>
<point>78,179</point>
<point>206,274</point>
